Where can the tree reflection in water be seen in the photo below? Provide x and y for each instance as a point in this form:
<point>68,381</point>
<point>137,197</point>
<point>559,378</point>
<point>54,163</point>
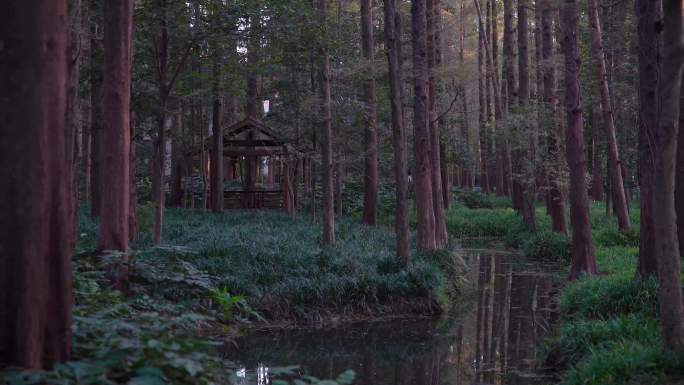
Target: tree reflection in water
<point>497,334</point>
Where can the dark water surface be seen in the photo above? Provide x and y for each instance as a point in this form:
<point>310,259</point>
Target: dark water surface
<point>493,340</point>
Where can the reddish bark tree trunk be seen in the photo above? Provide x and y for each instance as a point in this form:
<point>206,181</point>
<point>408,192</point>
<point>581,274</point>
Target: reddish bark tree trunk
<point>159,155</point>
<point>35,241</point>
<point>393,41</point>
<point>116,89</point>
<point>217,143</point>
<point>597,167</point>
<point>423,182</point>
<point>73,113</point>
<point>467,174</point>
<point>508,55</point>
<point>370,196</point>
<point>133,193</point>
<point>583,258</point>
<point>484,156</point>
<point>648,14</point>
<point>95,123</point>
<point>523,162</point>
<point>327,145</point>
<point>556,201</point>
<point>679,184</point>
<point>618,190</point>
<point>665,220</point>
<point>434,61</point>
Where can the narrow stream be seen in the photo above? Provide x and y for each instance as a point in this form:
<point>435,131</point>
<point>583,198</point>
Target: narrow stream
<point>492,341</point>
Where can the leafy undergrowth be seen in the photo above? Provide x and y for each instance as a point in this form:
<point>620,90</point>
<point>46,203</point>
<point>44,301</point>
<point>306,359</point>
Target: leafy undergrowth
<point>141,339</point>
<point>281,270</point>
<point>609,331</point>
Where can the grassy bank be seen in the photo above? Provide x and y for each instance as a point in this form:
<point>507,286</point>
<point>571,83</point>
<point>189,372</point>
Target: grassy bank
<point>608,331</point>
<point>217,274</point>
<point>281,269</point>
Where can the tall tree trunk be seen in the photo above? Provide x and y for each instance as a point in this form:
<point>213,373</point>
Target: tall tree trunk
<point>583,258</point>
<point>327,145</point>
<point>133,193</point>
<point>370,196</point>
<point>618,190</point>
<point>36,233</point>
<point>482,119</point>
<point>525,157</point>
<point>468,176</point>
<point>508,55</point>
<point>217,143</point>
<point>597,166</point>
<point>95,116</point>
<point>434,61</point>
<point>511,93</point>
<point>423,183</point>
<point>665,219</point>
<point>556,201</point>
<point>160,141</point>
<point>116,104</point>
<point>73,110</point>
<point>679,178</point>
<point>648,14</point>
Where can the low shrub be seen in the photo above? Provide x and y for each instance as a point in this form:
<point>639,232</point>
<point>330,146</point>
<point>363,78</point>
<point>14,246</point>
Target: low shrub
<point>610,235</point>
<point>547,245</point>
<point>630,362</point>
<point>464,222</point>
<point>609,296</point>
<point>478,200</point>
<point>575,340</point>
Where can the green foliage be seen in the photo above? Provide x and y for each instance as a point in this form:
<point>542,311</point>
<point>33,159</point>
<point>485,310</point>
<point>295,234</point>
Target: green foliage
<point>609,296</point>
<point>478,200</point>
<point>146,218</point>
<point>281,269</point>
<point>547,245</point>
<point>464,222</point>
<point>626,362</point>
<point>229,304</point>
<point>577,339</point>
<point>610,236</point>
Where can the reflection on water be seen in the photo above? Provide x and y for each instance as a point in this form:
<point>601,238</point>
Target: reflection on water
<point>492,342</point>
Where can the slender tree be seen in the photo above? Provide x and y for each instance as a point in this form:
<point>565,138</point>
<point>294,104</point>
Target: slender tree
<point>665,220</point>
<point>423,181</point>
<point>370,196</point>
<point>217,142</point>
<point>482,119</point>
<point>116,88</point>
<point>648,14</point>
<point>510,92</point>
<point>326,127</point>
<point>583,258</point>
<point>523,183</point>
<point>35,241</point>
<point>95,170</point>
<point>393,44</point>
<point>618,190</point>
<point>434,61</point>
<point>556,200</point>
<point>467,176</point>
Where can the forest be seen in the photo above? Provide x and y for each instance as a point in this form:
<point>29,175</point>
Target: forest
<point>337,192</point>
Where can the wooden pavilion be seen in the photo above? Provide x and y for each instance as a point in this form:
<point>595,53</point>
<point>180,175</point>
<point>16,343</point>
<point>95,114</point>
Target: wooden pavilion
<point>264,162</point>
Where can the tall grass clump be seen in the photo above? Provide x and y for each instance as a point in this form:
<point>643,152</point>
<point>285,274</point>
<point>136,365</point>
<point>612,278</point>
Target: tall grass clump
<point>609,296</point>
